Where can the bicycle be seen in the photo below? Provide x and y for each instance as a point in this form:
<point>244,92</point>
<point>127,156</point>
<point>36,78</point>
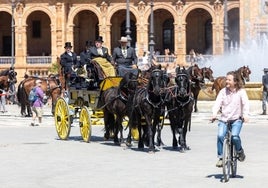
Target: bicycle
<point>230,156</point>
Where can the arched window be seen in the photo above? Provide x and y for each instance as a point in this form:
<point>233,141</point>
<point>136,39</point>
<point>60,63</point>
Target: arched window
<point>208,37</point>
<point>168,35</point>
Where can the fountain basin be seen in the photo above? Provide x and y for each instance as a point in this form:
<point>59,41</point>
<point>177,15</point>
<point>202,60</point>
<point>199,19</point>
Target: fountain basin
<point>254,91</point>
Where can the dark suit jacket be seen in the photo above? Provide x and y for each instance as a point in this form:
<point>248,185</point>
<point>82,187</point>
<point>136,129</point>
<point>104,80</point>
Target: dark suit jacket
<point>265,82</point>
<point>67,61</point>
<point>93,53</point>
<point>84,57</point>
<point>130,59</point>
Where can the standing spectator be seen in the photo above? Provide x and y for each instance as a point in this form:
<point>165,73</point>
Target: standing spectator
<point>234,105</point>
<point>37,106</point>
<point>67,61</point>
<point>100,55</point>
<point>125,58</point>
<point>3,95</point>
<point>265,90</point>
<point>192,57</point>
<point>143,62</point>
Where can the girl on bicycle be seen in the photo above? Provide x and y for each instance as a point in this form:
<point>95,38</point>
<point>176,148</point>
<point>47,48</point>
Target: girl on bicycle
<point>233,104</point>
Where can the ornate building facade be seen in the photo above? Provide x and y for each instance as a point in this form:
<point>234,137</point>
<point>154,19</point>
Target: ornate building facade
<point>41,28</point>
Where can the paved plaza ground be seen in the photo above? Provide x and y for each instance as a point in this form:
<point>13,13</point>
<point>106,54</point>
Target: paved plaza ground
<point>33,157</point>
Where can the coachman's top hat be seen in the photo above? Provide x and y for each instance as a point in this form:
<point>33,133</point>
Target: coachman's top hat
<point>265,70</point>
<point>68,44</point>
<point>99,39</point>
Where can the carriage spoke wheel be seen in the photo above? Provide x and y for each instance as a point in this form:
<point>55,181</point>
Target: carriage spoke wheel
<point>226,161</point>
<point>84,123</point>
<point>62,118</point>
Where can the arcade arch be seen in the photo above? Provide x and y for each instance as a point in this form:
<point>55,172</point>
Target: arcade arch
<point>38,34</point>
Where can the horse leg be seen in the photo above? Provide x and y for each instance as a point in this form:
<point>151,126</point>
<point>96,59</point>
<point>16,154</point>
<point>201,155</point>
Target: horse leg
<point>150,133</point>
<point>159,130</point>
<point>121,130</point>
<point>141,136</point>
<point>185,127</point>
<point>181,139</point>
<point>53,108</point>
<point>129,140</point>
<point>195,99</point>
<point>195,102</point>
<point>116,130</point>
<point>173,126</point>
<point>29,111</point>
<point>107,124</point>
<point>174,140</point>
<point>23,110</point>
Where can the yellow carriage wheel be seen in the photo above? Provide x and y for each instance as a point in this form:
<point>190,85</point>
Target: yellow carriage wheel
<point>62,118</point>
<point>84,123</point>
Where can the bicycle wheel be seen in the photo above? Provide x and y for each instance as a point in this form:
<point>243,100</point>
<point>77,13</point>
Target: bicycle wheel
<point>234,161</point>
<point>226,160</point>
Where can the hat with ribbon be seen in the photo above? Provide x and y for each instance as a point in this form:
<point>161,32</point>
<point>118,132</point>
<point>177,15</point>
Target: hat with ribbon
<point>123,39</point>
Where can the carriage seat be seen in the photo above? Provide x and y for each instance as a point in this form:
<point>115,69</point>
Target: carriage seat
<point>82,82</point>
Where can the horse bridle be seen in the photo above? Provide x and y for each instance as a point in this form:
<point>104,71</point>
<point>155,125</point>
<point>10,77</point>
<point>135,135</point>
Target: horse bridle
<point>187,78</point>
<point>12,76</point>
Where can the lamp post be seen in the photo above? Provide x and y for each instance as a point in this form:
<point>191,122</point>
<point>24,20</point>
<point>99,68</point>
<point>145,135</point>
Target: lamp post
<point>13,6</point>
<point>151,37</point>
<point>226,31</point>
<point>128,32</point>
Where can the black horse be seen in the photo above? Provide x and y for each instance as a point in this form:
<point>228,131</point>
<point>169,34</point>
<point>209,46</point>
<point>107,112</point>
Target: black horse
<point>148,104</point>
<point>116,101</point>
<point>179,102</point>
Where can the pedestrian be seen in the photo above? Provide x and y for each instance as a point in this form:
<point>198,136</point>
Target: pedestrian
<point>143,62</point>
<point>192,57</point>
<point>125,58</point>
<point>3,95</point>
<point>100,55</point>
<point>265,90</point>
<point>68,62</point>
<point>37,105</point>
<point>233,102</point>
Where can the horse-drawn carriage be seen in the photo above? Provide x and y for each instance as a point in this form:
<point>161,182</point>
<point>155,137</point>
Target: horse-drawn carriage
<point>81,102</point>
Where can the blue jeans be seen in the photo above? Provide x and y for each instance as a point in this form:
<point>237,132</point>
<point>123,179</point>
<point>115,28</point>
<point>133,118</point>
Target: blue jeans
<point>222,130</point>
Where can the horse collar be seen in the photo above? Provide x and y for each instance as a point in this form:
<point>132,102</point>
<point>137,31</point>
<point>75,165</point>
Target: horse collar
<point>182,104</point>
<point>157,105</point>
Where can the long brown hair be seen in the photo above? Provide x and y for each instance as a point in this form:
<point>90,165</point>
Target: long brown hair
<point>237,80</point>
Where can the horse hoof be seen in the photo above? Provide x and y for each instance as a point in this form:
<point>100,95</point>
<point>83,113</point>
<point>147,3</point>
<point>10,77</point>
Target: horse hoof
<point>128,144</point>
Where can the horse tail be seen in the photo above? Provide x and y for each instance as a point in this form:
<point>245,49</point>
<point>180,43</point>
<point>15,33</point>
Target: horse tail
<point>22,97</point>
<point>19,93</point>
